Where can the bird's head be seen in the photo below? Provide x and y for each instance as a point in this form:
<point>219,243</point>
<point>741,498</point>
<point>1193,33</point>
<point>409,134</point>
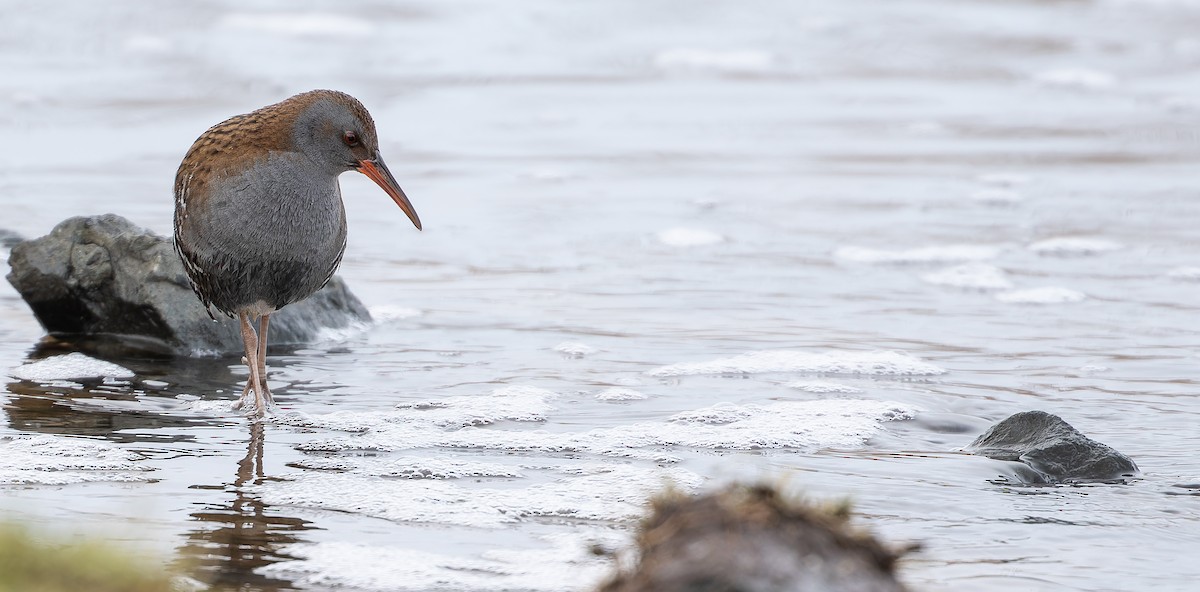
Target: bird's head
<point>338,134</point>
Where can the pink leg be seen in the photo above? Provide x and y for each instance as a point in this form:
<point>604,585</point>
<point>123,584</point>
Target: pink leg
<point>253,383</point>
<point>262,358</point>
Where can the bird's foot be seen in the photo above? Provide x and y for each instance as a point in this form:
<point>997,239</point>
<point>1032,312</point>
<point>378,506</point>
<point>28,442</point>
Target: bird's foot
<point>255,408</point>
<point>264,406</point>
<point>255,405</point>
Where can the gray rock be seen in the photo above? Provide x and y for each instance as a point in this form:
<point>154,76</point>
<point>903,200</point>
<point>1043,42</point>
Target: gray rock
<point>744,539</point>
<point>1055,451</point>
<point>103,276</point>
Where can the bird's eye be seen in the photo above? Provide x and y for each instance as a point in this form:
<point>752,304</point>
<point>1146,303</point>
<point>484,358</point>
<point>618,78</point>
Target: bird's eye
<point>351,139</point>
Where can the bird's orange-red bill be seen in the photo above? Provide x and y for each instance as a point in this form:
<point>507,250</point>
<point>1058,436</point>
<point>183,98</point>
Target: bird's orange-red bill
<point>378,172</point>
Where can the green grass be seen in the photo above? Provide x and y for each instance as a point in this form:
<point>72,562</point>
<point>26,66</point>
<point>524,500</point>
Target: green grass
<point>32,564</point>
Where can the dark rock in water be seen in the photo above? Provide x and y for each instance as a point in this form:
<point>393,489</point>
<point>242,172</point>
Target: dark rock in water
<point>1055,451</point>
<point>102,276</point>
<point>749,539</point>
<point>8,238</point>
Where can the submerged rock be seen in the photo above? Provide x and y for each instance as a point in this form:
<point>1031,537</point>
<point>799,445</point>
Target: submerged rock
<point>102,276</point>
<point>751,538</point>
<point>1055,451</point>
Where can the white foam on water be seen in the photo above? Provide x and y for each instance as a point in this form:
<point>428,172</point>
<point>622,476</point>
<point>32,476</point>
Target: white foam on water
<point>567,565</point>
<point>410,467</point>
<point>1046,295</point>
<point>999,197</point>
<point>56,460</point>
<point>1004,179</point>
<point>1187,274</point>
<point>936,254</point>
<point>511,403</point>
<point>212,406</point>
<point>1079,78</point>
<point>575,349</point>
<point>610,492</point>
<point>326,463</point>
<point>805,425</point>
<point>970,276</point>
<point>342,421</point>
<point>688,237</point>
<point>709,60</point>
<point>1074,245</point>
<point>396,432</point>
<point>720,414</point>
<point>433,468</point>
<point>820,386</point>
<point>187,584</point>
<point>309,23</point>
<point>330,335</point>
<point>72,365</point>
<point>875,363</point>
<point>618,393</point>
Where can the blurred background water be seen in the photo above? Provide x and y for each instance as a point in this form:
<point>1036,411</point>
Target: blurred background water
<point>1007,191</point>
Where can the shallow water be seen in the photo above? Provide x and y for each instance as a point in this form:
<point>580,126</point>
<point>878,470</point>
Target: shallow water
<point>626,204</point>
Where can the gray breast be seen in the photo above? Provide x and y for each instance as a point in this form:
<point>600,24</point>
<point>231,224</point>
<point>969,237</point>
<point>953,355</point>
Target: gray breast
<point>272,235</point>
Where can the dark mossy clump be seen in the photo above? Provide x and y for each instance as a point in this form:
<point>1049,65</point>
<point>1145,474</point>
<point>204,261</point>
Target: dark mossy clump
<point>28,564</point>
<point>753,539</point>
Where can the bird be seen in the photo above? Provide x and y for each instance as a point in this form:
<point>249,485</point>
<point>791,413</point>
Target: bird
<point>259,219</point>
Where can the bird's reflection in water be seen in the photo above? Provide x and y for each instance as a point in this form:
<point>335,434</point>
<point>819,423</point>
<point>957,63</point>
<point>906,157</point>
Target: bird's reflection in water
<point>236,539</point>
<point>231,539</point>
